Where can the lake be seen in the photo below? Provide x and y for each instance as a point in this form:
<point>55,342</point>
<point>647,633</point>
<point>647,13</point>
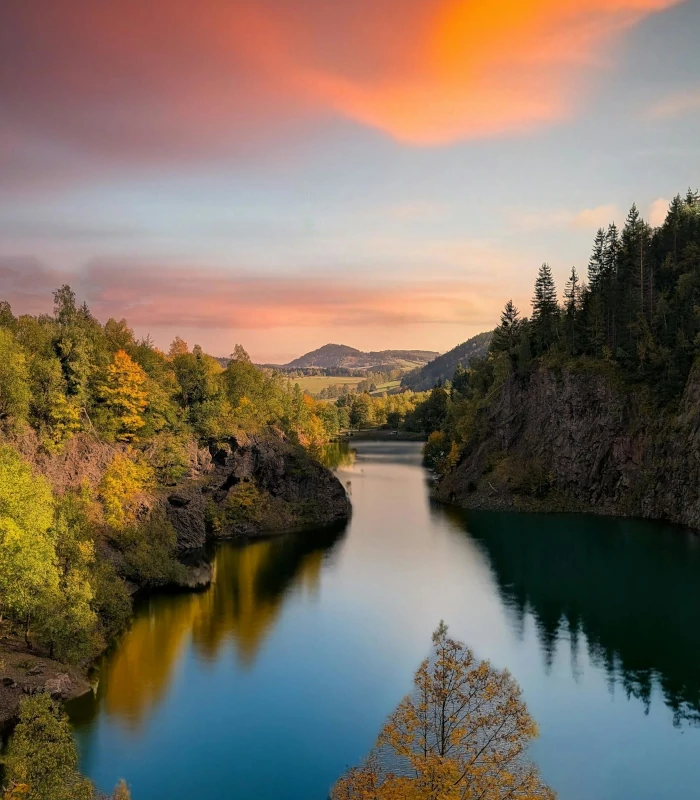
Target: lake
<point>268,685</point>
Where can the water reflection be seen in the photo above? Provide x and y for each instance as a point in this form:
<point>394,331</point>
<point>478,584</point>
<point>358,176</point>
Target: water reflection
<point>240,608</point>
<point>629,588</point>
<point>335,455</point>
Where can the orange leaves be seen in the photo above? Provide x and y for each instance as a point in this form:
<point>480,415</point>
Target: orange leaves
<point>462,733</point>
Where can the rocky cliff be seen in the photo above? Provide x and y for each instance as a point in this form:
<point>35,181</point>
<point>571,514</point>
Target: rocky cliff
<point>250,486</point>
<point>576,440</point>
<point>243,486</point>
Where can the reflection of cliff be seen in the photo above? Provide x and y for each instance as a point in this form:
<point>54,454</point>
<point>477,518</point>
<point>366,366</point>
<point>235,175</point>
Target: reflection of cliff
<point>632,589</point>
<point>241,606</point>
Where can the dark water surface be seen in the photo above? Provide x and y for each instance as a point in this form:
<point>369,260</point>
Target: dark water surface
<point>269,684</point>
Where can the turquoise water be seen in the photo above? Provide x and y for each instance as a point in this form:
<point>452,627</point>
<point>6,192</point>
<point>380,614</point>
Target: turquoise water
<point>267,686</point>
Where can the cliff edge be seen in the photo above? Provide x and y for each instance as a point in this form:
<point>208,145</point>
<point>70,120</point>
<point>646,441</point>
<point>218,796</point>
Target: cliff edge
<point>574,440</point>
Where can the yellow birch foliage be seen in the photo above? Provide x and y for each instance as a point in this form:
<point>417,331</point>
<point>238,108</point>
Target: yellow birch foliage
<point>462,734</point>
<point>124,394</point>
<point>124,480</point>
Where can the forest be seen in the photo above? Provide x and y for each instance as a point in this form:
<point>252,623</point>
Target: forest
<point>66,375</point>
<point>635,318</point>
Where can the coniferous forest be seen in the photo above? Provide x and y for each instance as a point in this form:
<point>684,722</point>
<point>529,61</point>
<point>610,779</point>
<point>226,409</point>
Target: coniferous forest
<point>632,318</point>
<point>636,307</point>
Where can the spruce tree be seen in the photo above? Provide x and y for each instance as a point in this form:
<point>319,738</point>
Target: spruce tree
<point>506,335</point>
<point>545,311</point>
<point>596,264</point>
<point>572,299</point>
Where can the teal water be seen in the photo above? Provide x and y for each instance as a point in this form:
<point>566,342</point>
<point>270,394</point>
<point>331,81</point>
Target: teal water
<point>267,686</point>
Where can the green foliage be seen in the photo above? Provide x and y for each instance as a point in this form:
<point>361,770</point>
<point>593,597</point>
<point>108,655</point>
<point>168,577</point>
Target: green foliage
<point>42,754</point>
<point>67,622</point>
<point>167,455</point>
<point>28,568</point>
<point>14,379</point>
<point>149,552</point>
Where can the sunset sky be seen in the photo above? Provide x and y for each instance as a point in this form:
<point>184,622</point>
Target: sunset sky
<point>285,173</point>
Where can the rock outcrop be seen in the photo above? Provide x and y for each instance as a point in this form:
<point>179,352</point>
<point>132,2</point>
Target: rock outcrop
<point>577,441</point>
<point>248,486</point>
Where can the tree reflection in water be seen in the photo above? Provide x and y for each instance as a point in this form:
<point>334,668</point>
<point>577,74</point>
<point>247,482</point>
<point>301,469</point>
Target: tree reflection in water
<point>240,608</point>
<point>627,587</point>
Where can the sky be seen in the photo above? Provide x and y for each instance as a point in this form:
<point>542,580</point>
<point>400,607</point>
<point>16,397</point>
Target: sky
<point>287,173</point>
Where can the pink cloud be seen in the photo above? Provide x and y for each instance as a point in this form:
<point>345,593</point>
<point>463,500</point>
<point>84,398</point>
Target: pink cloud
<point>153,296</point>
<point>87,87</point>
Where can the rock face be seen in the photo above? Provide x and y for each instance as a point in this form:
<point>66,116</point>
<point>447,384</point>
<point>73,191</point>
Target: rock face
<point>248,486</point>
<point>573,441</point>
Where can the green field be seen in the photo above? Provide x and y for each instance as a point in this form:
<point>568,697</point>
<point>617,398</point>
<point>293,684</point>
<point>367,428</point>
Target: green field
<point>387,387</point>
<point>314,383</point>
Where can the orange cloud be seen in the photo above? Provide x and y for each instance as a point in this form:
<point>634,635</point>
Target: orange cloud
<point>483,68</point>
<point>90,85</point>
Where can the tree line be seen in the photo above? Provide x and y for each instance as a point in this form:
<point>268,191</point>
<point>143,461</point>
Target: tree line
<point>635,317</point>
<point>637,309</point>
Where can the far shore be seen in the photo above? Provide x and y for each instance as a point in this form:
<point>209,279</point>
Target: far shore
<point>380,433</point>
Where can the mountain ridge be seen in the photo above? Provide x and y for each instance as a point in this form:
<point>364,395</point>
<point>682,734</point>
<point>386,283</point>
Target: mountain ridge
<point>443,367</point>
<point>342,356</point>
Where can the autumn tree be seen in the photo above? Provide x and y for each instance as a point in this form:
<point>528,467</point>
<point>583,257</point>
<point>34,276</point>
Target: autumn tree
<point>124,479</point>
<point>463,732</point>
<point>178,347</point>
<point>123,393</point>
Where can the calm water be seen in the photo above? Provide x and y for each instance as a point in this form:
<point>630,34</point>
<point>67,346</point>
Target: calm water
<point>268,685</point>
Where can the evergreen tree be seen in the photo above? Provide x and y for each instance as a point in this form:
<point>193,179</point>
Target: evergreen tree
<point>572,303</point>
<point>506,336</point>
<point>545,311</point>
<point>596,264</point>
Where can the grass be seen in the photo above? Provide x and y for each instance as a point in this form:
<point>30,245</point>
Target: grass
<point>314,383</point>
<point>387,387</point>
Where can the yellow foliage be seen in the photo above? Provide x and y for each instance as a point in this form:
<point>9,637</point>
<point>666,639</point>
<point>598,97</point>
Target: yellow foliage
<point>462,733</point>
<point>123,481</point>
<point>123,392</point>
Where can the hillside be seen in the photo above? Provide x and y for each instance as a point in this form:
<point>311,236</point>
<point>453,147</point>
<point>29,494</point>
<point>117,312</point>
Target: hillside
<point>340,356</point>
<point>593,405</point>
<point>443,367</point>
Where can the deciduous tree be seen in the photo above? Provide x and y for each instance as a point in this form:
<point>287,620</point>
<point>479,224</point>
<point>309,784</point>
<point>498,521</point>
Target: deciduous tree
<point>462,733</point>
<point>123,393</point>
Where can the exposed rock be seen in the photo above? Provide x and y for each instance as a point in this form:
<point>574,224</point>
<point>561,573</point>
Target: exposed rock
<point>59,687</point>
<point>250,486</point>
<point>589,445</point>
<point>20,676</point>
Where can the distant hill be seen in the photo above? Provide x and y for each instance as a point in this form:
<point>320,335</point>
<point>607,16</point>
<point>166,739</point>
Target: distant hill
<point>340,356</point>
<point>443,367</point>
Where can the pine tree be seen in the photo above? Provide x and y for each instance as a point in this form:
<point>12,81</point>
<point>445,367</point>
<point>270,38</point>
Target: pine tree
<point>545,311</point>
<point>572,299</point>
<point>596,264</point>
<point>506,336</point>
